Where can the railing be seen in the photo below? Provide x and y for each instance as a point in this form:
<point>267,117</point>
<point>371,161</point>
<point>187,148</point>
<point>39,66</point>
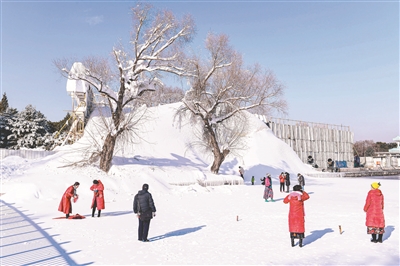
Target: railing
<point>27,154</point>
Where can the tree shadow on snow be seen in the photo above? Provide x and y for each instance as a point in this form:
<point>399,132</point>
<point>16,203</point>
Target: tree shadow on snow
<point>180,232</point>
<point>316,234</point>
<point>178,161</point>
<point>24,242</point>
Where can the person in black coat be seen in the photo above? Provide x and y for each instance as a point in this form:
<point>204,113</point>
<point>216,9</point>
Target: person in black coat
<point>143,207</point>
<point>287,181</point>
<point>301,180</point>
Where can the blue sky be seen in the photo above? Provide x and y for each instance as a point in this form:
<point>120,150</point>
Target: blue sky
<point>339,60</point>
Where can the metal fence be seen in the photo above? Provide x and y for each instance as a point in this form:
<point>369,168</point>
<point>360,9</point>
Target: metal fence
<point>321,141</point>
<point>27,154</point>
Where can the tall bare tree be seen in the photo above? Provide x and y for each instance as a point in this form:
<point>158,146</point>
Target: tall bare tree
<point>156,45</point>
<point>221,88</point>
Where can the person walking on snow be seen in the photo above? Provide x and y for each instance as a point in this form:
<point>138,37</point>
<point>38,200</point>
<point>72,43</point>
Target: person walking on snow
<point>98,197</point>
<point>65,204</point>
<point>241,172</point>
<point>282,182</point>
<point>375,220</point>
<point>296,213</point>
<point>301,180</point>
<point>287,181</point>
<point>268,192</point>
<point>143,206</point>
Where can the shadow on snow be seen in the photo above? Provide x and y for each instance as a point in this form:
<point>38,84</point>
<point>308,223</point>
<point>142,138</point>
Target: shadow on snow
<point>180,232</point>
<point>24,242</point>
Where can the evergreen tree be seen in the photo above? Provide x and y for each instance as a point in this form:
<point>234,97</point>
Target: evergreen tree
<point>28,129</point>
<point>3,103</point>
<point>6,118</point>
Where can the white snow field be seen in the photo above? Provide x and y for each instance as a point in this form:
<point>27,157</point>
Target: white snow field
<point>195,225</point>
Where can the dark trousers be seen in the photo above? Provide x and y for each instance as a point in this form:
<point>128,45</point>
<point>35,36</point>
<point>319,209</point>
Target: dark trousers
<point>287,186</point>
<point>282,187</point>
<point>143,230</point>
<point>94,209</point>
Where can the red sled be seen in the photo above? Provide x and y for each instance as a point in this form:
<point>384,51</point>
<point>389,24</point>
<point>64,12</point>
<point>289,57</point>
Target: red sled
<point>76,216</point>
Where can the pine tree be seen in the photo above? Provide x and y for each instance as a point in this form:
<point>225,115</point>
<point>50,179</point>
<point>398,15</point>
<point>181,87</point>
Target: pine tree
<point>3,103</point>
<point>28,129</point>
<point>6,118</point>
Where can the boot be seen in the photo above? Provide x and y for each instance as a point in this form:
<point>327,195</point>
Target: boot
<point>373,240</point>
<point>266,200</point>
<point>272,200</point>
<point>380,238</point>
<point>292,241</point>
<point>67,216</point>
<point>300,242</point>
<point>98,215</point>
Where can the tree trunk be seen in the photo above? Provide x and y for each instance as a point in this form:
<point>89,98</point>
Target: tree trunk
<point>107,152</point>
<point>219,157</point>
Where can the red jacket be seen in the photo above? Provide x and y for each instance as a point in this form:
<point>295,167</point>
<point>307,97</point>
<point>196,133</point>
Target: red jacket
<point>65,204</point>
<point>296,210</point>
<point>98,196</point>
<point>374,209</point>
<point>282,178</point>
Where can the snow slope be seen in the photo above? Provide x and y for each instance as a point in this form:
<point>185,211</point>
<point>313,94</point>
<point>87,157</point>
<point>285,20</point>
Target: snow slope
<point>194,224</point>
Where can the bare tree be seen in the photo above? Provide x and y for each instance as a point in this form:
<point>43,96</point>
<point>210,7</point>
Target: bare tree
<point>164,95</point>
<point>156,46</point>
<point>221,88</point>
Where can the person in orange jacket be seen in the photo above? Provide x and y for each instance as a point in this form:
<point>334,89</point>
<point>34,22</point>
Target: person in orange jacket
<point>375,220</point>
<point>65,205</point>
<point>296,213</point>
<point>282,178</point>
<point>98,197</point>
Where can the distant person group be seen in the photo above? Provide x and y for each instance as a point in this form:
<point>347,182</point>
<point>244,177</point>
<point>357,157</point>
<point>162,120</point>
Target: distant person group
<point>374,206</point>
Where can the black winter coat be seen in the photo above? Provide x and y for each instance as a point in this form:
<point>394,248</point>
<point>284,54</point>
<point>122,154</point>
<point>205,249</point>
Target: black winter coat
<point>287,180</point>
<point>143,202</point>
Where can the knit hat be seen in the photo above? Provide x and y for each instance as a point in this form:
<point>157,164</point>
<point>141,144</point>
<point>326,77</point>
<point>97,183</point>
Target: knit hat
<point>297,188</point>
<point>95,182</point>
<point>375,185</point>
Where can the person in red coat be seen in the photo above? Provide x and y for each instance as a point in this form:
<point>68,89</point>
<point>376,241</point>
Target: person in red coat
<point>375,221</point>
<point>282,178</point>
<point>98,197</point>
<point>65,204</point>
<point>296,213</point>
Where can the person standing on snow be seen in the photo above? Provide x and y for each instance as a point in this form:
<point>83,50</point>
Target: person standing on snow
<point>296,213</point>
<point>143,206</point>
<point>98,197</point>
<point>268,192</point>
<point>65,204</point>
<point>252,180</point>
<point>301,180</point>
<point>287,181</point>
<point>282,178</point>
<point>375,220</point>
<point>241,172</point>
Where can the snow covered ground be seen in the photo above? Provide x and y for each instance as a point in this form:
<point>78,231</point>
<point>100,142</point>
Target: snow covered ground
<point>194,224</point>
